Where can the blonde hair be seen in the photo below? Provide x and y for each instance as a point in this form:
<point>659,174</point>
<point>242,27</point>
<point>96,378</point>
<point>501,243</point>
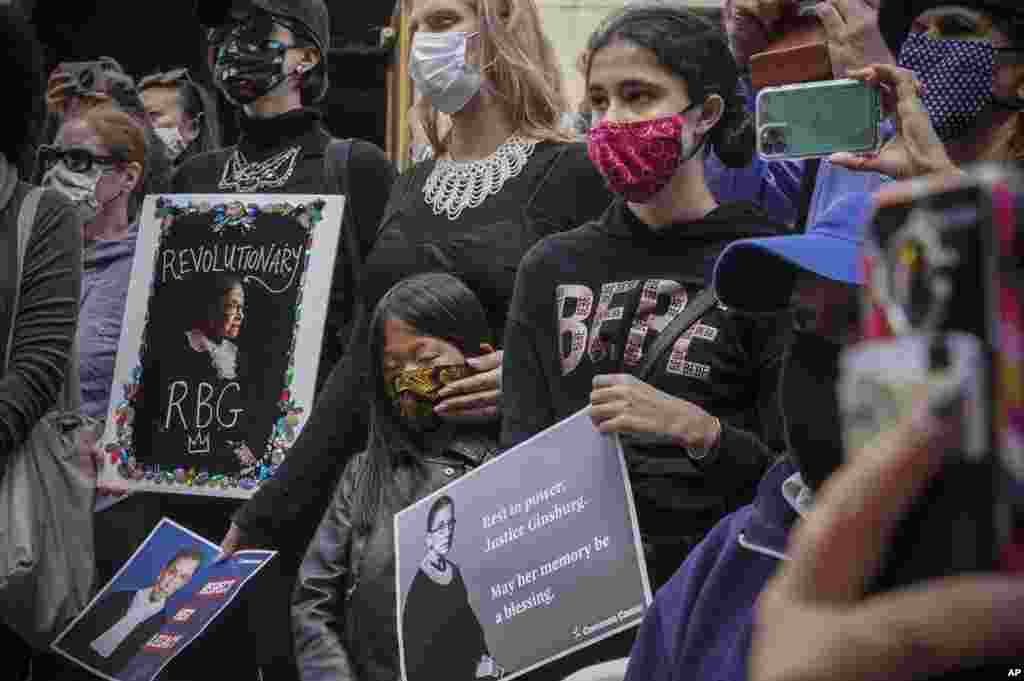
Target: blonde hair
<point>119,132</point>
<point>521,70</point>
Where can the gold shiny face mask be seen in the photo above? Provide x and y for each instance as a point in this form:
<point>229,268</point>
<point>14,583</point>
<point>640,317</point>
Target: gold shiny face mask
<point>414,392</point>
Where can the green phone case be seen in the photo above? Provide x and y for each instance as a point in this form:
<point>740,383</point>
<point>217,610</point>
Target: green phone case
<point>811,120</point>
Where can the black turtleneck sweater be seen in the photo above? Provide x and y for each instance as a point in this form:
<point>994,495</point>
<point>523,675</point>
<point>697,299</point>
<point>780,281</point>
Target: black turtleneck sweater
<point>370,175</point>
<point>635,280</point>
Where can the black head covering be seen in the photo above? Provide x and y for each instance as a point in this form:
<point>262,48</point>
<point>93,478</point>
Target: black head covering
<point>312,15</point>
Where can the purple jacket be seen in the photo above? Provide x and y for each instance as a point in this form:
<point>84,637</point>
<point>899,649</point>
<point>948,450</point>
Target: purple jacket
<point>700,623</point>
<point>773,186</point>
<point>106,270</point>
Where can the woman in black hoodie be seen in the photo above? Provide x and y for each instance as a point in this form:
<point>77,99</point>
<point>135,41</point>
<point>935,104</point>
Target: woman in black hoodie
<point>705,422</point>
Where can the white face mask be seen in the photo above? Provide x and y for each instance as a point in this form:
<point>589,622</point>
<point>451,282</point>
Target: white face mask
<point>437,64</point>
<point>173,141</point>
<point>79,188</point>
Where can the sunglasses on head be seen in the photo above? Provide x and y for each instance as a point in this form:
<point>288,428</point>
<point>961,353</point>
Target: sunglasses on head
<point>75,159</point>
<point>172,77</point>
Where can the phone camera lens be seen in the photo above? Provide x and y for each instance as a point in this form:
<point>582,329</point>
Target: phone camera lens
<point>773,141</point>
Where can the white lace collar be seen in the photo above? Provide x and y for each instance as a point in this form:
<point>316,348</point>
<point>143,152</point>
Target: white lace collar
<point>223,355</point>
<point>453,186</point>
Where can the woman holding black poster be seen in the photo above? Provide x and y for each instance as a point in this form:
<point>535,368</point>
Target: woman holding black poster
<point>269,59</point>
<point>423,331</point>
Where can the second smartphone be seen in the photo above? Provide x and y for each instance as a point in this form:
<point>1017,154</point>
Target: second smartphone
<point>812,120</point>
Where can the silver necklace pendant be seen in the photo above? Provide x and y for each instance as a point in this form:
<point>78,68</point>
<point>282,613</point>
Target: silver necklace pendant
<point>244,177</point>
<point>453,186</point>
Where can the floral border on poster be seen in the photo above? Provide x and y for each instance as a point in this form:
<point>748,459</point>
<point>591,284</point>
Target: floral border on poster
<point>227,216</point>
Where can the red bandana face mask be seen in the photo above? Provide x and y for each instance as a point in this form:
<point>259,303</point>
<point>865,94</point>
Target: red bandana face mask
<point>638,159</point>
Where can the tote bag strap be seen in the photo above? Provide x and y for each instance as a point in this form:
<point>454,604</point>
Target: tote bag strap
<point>26,218</point>
<point>70,398</point>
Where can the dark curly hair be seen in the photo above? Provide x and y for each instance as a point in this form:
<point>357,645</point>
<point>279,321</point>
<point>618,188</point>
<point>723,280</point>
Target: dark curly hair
<point>25,85</point>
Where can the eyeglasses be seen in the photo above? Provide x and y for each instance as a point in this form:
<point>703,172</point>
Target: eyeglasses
<point>75,159</point>
<point>447,525</point>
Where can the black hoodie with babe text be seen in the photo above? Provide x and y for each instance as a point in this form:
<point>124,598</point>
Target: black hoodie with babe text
<point>591,301</point>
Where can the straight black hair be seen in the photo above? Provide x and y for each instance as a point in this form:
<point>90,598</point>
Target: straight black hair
<point>434,304</point>
<point>697,51</point>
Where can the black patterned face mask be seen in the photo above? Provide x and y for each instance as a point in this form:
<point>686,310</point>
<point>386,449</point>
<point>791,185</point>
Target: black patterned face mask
<point>246,72</point>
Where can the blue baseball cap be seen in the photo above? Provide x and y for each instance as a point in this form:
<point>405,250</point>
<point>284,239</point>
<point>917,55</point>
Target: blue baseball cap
<point>757,275</point>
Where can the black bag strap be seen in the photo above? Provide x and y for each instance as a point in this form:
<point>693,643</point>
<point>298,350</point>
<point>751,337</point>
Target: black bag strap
<point>704,301</point>
<point>336,158</point>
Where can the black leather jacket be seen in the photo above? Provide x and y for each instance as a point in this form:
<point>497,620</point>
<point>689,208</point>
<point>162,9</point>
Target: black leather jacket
<point>343,608</point>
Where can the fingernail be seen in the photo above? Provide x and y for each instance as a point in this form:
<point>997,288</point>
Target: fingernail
<point>441,409</point>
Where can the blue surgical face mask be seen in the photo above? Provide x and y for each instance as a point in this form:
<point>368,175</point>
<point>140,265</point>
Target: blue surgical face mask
<point>957,76</point>
<point>437,65</point>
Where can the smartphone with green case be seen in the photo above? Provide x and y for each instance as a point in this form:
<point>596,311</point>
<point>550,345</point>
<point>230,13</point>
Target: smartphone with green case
<point>812,120</point>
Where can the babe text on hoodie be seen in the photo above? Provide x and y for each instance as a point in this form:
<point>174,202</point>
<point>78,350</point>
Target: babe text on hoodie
<point>591,301</point>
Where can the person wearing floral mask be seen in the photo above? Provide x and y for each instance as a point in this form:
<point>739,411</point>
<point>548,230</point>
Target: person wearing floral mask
<point>704,422</point>
<point>424,331</point>
<point>183,113</point>
<point>957,94</point>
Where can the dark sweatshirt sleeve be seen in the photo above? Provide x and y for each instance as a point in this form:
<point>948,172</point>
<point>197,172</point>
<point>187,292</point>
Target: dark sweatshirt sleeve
<point>526,407</point>
<point>367,188</point>
<point>46,321</point>
<point>372,175</point>
<point>741,457</point>
<point>285,511</point>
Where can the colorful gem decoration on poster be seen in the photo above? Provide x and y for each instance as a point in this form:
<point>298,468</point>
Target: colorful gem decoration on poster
<point>257,468</point>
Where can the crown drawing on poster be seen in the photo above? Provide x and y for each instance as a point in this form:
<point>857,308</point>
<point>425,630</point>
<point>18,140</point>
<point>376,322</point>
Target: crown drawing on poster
<point>200,444</point>
<point>236,214</point>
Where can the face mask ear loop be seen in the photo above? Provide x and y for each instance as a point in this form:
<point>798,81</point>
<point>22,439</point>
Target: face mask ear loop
<point>703,138</point>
